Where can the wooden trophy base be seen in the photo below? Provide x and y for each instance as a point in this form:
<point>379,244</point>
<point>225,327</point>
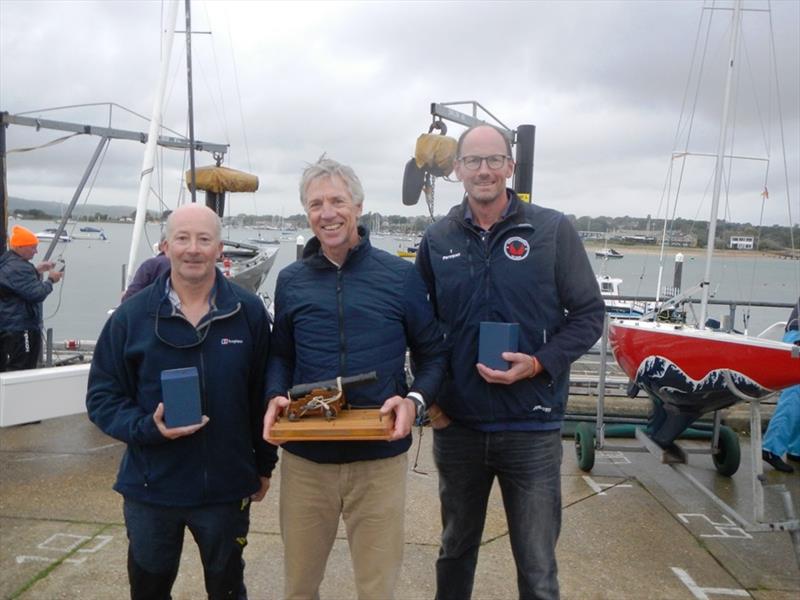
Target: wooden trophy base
<point>357,424</point>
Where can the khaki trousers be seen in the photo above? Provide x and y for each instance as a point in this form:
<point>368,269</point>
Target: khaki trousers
<point>370,497</point>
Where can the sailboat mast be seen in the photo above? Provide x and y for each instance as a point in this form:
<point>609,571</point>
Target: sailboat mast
<point>723,133</point>
<point>148,161</point>
<point>190,98</point>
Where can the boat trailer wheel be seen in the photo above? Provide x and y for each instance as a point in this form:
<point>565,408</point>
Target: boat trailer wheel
<point>584,446</point>
<point>728,455</point>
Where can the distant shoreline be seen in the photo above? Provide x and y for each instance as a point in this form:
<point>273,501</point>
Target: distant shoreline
<point>672,251</point>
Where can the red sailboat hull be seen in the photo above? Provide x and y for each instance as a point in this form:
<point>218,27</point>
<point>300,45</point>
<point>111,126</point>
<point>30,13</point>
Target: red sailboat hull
<point>772,365</point>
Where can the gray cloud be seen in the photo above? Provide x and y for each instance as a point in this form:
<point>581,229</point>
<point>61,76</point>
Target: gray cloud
<point>283,82</point>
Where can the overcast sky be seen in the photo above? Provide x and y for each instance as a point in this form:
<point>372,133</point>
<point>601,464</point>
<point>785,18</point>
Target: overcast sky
<point>604,83</point>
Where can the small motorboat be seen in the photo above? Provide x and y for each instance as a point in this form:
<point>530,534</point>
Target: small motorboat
<point>260,240</point>
<point>409,252</point>
<point>608,253</point>
<point>50,234</point>
<point>610,288</point>
<point>90,233</point>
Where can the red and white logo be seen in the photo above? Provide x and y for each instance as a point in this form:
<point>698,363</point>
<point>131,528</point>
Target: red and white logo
<point>517,248</point>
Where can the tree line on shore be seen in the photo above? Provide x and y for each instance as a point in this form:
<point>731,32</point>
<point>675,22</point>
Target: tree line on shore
<point>768,238</point>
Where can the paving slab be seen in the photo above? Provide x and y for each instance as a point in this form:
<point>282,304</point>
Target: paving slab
<point>759,561</point>
<point>621,543</point>
<point>632,528</point>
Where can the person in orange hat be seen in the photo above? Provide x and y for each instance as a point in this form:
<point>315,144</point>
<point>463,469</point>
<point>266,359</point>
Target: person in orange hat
<point>22,291</point>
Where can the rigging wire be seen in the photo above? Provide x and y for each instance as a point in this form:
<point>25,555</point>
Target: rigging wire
<point>88,192</point>
<point>690,124</point>
<point>245,141</point>
<point>223,115</point>
<point>667,190</point>
<point>774,61</point>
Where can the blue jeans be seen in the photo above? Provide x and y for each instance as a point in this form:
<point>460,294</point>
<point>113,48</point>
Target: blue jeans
<point>155,541</point>
<point>527,466</point>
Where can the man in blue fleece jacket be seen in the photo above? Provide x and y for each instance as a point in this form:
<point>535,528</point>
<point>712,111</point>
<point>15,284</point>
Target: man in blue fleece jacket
<point>347,308</point>
<point>201,476</point>
<point>496,258</point>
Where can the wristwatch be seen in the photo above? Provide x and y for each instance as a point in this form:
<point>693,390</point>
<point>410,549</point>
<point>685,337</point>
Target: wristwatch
<point>421,407</point>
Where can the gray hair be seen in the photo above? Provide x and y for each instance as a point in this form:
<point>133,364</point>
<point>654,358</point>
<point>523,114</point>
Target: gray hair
<point>327,167</point>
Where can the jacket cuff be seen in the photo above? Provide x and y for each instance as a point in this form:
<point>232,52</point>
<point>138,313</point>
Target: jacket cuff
<point>152,435</point>
<point>419,396</point>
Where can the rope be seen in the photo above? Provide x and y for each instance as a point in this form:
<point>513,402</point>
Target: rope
<point>45,145</point>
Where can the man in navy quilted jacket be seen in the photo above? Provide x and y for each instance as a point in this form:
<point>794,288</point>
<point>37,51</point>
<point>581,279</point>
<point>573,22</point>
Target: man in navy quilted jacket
<point>344,309</point>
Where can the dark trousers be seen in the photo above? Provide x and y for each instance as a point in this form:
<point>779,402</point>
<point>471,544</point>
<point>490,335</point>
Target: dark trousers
<point>155,541</point>
<point>20,349</point>
<point>527,467</point>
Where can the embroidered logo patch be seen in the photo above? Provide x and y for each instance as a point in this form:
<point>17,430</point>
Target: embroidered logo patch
<point>226,341</point>
<point>517,248</point>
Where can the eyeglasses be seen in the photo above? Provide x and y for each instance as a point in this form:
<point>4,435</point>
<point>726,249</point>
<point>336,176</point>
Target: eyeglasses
<point>473,163</point>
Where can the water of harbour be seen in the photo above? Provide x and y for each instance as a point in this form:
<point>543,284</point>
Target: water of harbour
<point>77,308</point>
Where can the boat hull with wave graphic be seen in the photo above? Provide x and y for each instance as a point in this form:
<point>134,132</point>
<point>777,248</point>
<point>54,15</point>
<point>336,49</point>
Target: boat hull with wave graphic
<point>689,372</point>
<point>768,364</point>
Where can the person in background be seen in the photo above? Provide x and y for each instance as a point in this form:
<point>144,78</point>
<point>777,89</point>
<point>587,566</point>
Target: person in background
<point>200,476</point>
<point>22,292</point>
<point>149,270</point>
<point>344,309</point>
<point>496,258</point>
<point>783,432</point>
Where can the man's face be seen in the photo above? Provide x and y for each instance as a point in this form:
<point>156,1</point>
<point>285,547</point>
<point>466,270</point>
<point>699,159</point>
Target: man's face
<point>332,215</point>
<point>193,244</point>
<point>27,252</point>
<point>484,185</point>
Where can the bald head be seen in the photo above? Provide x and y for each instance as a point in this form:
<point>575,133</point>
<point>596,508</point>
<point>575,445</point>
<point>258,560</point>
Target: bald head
<point>483,130</point>
<point>198,213</point>
<point>194,243</point>
<point>483,165</point>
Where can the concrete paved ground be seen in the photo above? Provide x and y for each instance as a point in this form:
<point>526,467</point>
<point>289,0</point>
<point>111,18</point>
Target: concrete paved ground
<point>633,528</point>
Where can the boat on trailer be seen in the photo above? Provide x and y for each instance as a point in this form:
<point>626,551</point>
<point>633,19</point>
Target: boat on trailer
<point>689,370</point>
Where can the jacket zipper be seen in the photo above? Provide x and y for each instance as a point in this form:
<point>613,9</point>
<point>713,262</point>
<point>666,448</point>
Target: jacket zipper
<point>340,311</point>
<point>204,411</point>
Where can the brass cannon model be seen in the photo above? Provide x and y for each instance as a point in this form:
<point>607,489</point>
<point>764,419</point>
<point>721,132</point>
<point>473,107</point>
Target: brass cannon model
<point>323,398</point>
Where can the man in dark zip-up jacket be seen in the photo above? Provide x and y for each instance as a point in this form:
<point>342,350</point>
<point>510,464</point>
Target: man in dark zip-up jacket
<point>22,292</point>
<point>347,308</point>
<point>496,258</point>
<point>200,476</point>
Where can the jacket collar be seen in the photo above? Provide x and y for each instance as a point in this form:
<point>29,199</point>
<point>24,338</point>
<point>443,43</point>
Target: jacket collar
<point>514,212</point>
<point>313,256</point>
<point>224,301</point>
<point>11,255</point>
<point>175,331</point>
